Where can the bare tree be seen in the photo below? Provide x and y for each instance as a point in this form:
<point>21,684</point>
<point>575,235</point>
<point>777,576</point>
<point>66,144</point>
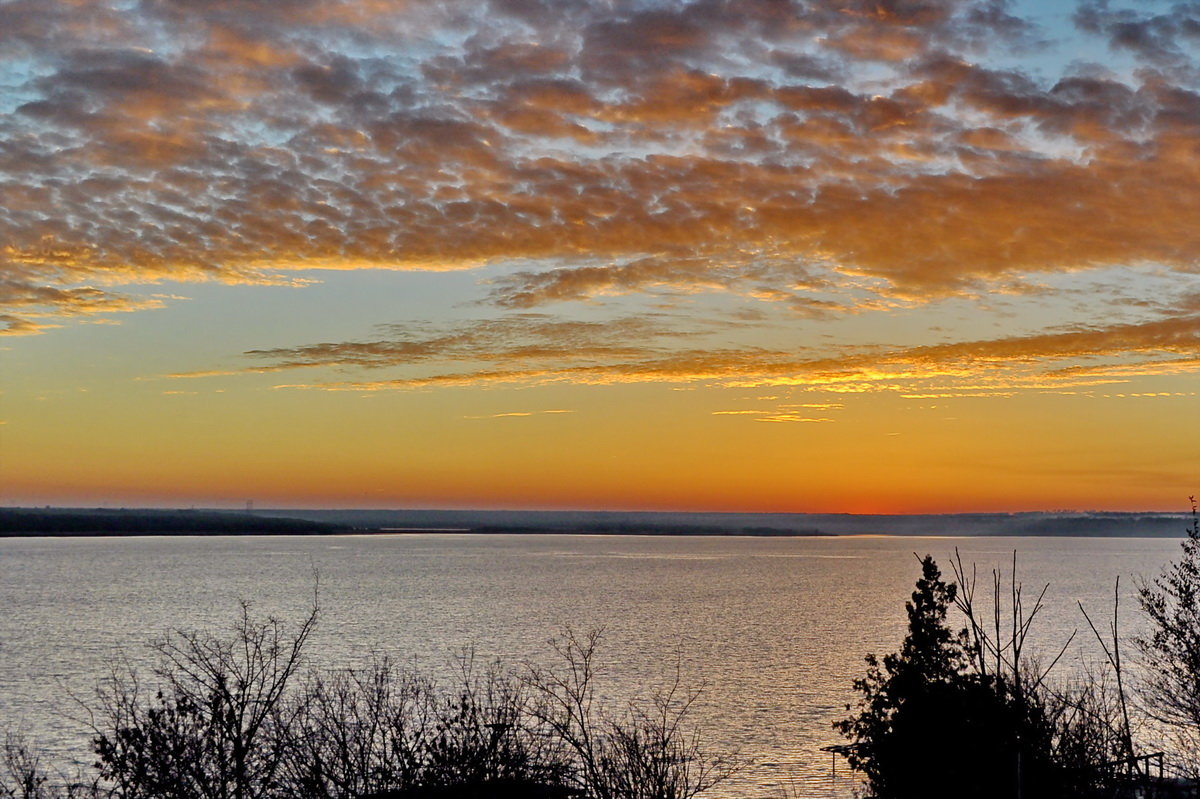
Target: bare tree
<point>229,717</point>
<point>1083,726</point>
<point>997,647</point>
<point>212,727</point>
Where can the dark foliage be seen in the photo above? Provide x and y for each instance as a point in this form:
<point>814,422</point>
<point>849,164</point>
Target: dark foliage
<point>232,717</point>
<point>933,722</point>
<point>103,522</point>
<point>1171,649</point>
<point>216,726</point>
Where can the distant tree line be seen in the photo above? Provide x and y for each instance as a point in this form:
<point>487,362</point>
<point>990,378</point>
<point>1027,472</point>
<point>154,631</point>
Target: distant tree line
<point>100,522</point>
<point>650,529</point>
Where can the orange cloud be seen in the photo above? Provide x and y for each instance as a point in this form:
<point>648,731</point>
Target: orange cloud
<point>533,349</point>
<point>607,149</point>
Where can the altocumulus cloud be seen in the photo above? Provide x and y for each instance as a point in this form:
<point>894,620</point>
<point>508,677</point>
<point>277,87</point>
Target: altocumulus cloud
<point>821,158</point>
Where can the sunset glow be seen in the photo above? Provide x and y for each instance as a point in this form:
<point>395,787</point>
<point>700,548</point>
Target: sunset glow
<point>861,256</point>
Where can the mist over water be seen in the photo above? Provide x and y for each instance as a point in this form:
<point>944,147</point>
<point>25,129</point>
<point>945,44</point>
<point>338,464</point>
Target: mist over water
<point>775,629</point>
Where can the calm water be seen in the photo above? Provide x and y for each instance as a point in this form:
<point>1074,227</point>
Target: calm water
<point>775,628</point>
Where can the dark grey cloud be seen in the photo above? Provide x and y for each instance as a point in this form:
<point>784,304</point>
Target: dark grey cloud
<point>1165,36</point>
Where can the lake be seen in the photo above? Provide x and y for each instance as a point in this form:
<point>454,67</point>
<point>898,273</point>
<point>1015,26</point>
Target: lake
<point>775,629</point>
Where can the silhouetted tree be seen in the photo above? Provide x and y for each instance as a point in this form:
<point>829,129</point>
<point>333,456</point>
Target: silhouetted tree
<point>1170,651</point>
<point>213,728</point>
<point>232,717</point>
<point>392,735</point>
<point>21,772</point>
<point>645,752</point>
<point>897,732</point>
<point>956,714</point>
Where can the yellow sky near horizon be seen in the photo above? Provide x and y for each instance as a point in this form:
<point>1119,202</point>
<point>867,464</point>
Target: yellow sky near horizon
<point>901,256</point>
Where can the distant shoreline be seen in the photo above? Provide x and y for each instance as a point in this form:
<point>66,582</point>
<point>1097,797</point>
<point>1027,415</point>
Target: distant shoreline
<point>116,524</point>
<point>203,534</point>
<point>100,522</point>
<point>103,522</point>
<point>647,531</point>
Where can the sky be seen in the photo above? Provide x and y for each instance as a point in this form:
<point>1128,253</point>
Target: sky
<point>753,255</point>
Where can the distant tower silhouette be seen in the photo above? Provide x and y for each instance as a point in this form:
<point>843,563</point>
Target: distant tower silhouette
<point>249,506</point>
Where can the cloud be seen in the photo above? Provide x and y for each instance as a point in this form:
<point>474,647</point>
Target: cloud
<point>775,416</point>
<point>823,157</point>
<point>521,338</point>
<point>531,349</point>
<point>1162,39</point>
<point>517,414</point>
<point>16,326</point>
<point>29,302</point>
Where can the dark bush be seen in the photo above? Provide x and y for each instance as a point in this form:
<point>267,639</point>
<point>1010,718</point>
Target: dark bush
<point>936,720</point>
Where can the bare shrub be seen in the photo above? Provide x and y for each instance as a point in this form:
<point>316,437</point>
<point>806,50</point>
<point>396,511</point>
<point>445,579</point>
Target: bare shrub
<point>485,731</point>
<point>21,772</point>
<point>384,732</point>
<point>234,717</point>
<point>22,776</point>
<point>646,751</point>
<point>212,727</point>
<point>357,733</point>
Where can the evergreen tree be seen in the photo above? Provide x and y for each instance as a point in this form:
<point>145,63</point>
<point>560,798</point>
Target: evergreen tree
<point>1171,649</point>
<point>901,683</point>
<point>928,725</point>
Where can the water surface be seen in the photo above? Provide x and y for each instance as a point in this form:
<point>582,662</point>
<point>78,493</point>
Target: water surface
<point>774,628</point>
